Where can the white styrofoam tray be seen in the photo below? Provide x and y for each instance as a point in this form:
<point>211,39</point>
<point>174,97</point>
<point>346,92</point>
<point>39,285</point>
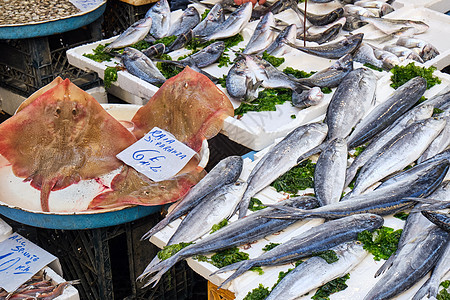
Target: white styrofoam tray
<point>441,6</point>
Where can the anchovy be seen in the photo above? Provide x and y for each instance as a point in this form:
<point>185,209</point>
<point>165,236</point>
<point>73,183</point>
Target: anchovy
<point>382,201</point>
<point>331,76</point>
<point>387,112</point>
<point>237,233</point>
<point>441,142</point>
<point>131,35</point>
<point>311,97</point>
<point>323,37</point>
<point>389,26</point>
<point>416,114</point>
<point>442,220</point>
<point>214,207</point>
<point>319,238</point>
<point>160,14</point>
<point>315,272</point>
<point>227,171</point>
<point>141,66</point>
<point>154,50</point>
<point>241,83</point>
<point>214,18</point>
<point>234,24</point>
<point>414,261</point>
<point>364,54</point>
<point>350,102</point>
<point>403,52</point>
<point>427,50</point>
<point>281,158</point>
<point>207,56</point>
<point>279,47</point>
<point>329,174</point>
<point>320,20</point>
<point>187,21</point>
<point>333,50</point>
<point>263,35</point>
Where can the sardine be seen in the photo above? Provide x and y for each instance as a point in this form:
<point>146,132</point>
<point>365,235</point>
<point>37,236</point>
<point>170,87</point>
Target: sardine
<point>237,233</point>
<point>414,261</point>
<point>275,8</point>
<point>141,66</point>
<point>387,112</point>
<point>364,54</point>
<point>389,26</point>
<point>207,56</point>
<point>307,98</point>
<point>403,52</point>
<point>320,20</point>
<point>442,220</point>
<point>319,238</point>
<point>214,18</point>
<point>323,37</point>
<point>402,150</point>
<point>213,208</point>
<point>160,14</point>
<point>331,76</point>
<point>441,142</point>
<point>131,35</point>
<point>281,158</point>
<point>329,174</point>
<point>263,35</point>
<point>333,50</point>
<point>227,171</point>
<point>234,24</point>
<point>427,50</point>
<point>187,21</point>
<point>350,102</point>
<point>315,272</point>
<point>416,114</point>
<point>279,46</point>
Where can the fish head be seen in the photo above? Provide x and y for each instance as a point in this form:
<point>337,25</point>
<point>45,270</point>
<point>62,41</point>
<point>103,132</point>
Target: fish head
<point>191,11</point>
<point>216,47</point>
<point>429,52</point>
<point>146,22</point>
<point>216,13</point>
<point>162,6</point>
<point>369,221</point>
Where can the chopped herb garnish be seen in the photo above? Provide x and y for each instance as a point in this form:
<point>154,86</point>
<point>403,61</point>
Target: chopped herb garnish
<point>437,111</point>
<point>373,67</point>
<point>165,40</point>
<point>274,61</point>
<point>329,256</point>
<point>326,90</point>
<point>266,101</point>
<point>222,81</point>
<point>168,70</point>
<point>444,294</point>
<point>422,99</point>
<point>224,60</point>
<point>141,45</point>
<point>255,204</point>
<point>259,293</point>
<point>445,284</point>
<point>99,55</point>
<point>358,150</point>
<point>381,242</point>
<point>110,76</point>
<point>221,224</point>
<point>331,287</point>
<point>170,250</point>
<point>297,73</point>
<point>227,257</point>
<point>205,13</point>
<point>401,74</point>
<point>233,41</point>
<point>297,179</point>
<point>401,215</point>
<point>270,246</point>
<point>258,270</point>
<point>293,117</point>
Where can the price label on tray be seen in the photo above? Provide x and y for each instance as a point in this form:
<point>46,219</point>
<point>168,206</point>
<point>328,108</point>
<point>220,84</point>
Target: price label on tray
<point>19,260</point>
<point>158,155</point>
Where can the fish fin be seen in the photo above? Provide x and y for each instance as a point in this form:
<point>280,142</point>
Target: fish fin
<point>233,266</point>
<point>430,289</point>
<point>387,264</point>
<point>243,205</point>
<point>163,223</point>
<point>313,151</point>
<point>245,266</point>
<point>160,267</point>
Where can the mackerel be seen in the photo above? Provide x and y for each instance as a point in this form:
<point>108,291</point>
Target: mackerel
<point>240,232</point>
<point>263,35</point>
<point>227,171</point>
<point>131,35</point>
<point>139,65</point>
<point>207,56</point>
<point>187,21</point>
<point>319,238</point>
<point>299,281</point>
<point>387,112</point>
<point>441,100</point>
<point>160,14</point>
<point>281,158</point>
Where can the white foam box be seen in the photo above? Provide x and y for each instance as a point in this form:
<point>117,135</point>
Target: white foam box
<point>441,6</point>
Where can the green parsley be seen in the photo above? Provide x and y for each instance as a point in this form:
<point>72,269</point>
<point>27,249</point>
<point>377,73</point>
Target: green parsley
<point>141,45</point>
<point>437,111</point>
<point>259,293</point>
<point>358,150</point>
<point>270,246</point>
<point>170,250</point>
<point>224,60</point>
<point>401,215</point>
<point>373,67</point>
<point>167,41</point>
<point>205,13</point>
<point>298,178</point>
<point>222,81</point>
<point>329,256</point>
<point>255,204</point>
<point>99,55</point>
<point>331,287</point>
<point>382,242</point>
<point>401,74</point>
<point>297,73</point>
<point>326,90</point>
<point>274,61</point>
<point>444,294</point>
<point>221,224</point>
<point>228,256</point>
<point>293,117</point>
<point>233,41</point>
<point>266,101</point>
<point>110,76</point>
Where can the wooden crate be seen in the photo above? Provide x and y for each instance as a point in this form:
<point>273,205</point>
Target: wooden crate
<point>218,294</point>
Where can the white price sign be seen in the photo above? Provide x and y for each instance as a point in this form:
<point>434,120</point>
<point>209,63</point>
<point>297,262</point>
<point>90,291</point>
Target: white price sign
<point>158,155</point>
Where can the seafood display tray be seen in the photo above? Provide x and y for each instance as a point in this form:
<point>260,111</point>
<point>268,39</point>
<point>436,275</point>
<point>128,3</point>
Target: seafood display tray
<point>20,202</point>
<point>442,6</point>
<point>361,277</point>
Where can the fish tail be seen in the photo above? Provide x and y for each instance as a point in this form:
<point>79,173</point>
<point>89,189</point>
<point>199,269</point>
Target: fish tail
<point>158,227</point>
<point>387,264</point>
<point>430,289</point>
<point>160,267</point>
<point>46,188</point>
<point>245,266</point>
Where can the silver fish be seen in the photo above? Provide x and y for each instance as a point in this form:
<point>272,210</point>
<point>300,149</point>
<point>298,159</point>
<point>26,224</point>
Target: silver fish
<point>364,54</point>
<point>299,281</point>
<point>180,41</point>
<point>387,112</point>
<point>416,114</point>
<point>441,100</point>
<point>241,83</point>
<point>160,14</point>
<point>214,207</point>
<point>331,76</point>
<point>351,9</point>
<point>403,52</point>
<point>207,56</point>
<point>389,59</point>
<point>399,152</point>
<point>441,142</point>
<point>350,101</point>
<point>225,172</point>
<point>154,50</point>
<point>307,98</point>
<point>319,238</point>
<point>329,174</point>
<point>131,35</point>
<point>382,7</point>
<point>281,158</point>
<point>320,20</point>
<point>141,66</point>
<point>414,261</point>
<point>389,26</point>
<point>237,233</point>
<point>427,50</point>
<point>353,22</point>
<point>214,18</point>
<point>187,21</point>
<point>442,220</point>
<point>279,47</point>
<point>333,50</point>
<point>323,37</point>
<point>263,35</point>
<point>234,24</point>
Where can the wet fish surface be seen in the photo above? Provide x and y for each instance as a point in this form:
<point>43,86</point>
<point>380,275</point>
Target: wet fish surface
<point>207,56</point>
<point>320,20</point>
<point>214,18</point>
<point>279,46</point>
<point>160,14</point>
<point>390,26</point>
<point>323,37</point>
<point>263,35</point>
<point>187,21</point>
<point>132,34</point>
<point>427,50</point>
<point>138,64</point>
<point>308,98</point>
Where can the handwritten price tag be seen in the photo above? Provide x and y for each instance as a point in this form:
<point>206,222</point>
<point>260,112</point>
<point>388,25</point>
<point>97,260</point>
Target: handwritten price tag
<point>19,260</point>
<point>158,155</point>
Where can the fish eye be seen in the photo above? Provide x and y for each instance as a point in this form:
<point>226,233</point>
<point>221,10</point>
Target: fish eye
<point>58,111</point>
<point>74,111</point>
